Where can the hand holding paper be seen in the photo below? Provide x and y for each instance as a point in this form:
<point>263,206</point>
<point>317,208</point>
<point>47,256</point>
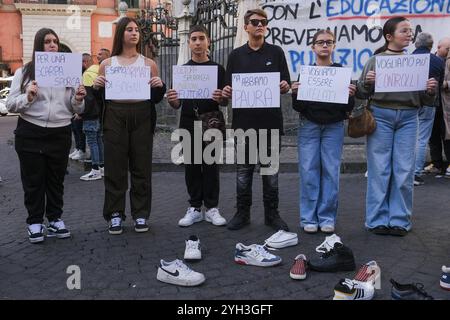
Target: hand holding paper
<point>284,87</point>
<point>80,93</point>
<point>32,90</point>
<point>431,86</point>
<point>155,82</point>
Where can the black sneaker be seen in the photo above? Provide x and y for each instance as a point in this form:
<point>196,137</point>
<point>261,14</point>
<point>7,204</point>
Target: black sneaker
<point>35,233</point>
<point>240,220</point>
<point>272,218</point>
<point>413,291</point>
<point>380,230</point>
<point>115,224</point>
<point>339,258</point>
<point>140,225</point>
<point>418,181</point>
<point>57,229</point>
<point>398,231</point>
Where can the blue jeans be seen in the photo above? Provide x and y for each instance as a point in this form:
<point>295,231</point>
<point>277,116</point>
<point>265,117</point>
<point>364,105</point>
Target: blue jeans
<point>94,138</point>
<point>390,164</point>
<point>319,162</point>
<point>426,120</point>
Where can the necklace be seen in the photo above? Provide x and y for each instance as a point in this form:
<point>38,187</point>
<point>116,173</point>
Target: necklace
<point>396,51</point>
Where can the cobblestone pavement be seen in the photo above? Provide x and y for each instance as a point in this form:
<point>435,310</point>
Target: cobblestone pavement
<point>124,267</point>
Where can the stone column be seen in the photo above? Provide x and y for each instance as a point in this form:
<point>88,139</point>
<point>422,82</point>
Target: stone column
<point>184,23</point>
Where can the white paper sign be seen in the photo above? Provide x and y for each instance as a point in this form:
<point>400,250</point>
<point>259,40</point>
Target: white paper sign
<point>58,69</point>
<point>324,84</point>
<point>402,73</point>
<point>127,82</point>
<point>256,90</point>
<point>195,82</point>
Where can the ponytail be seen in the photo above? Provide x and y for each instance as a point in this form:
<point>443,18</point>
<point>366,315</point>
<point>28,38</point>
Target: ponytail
<point>382,48</point>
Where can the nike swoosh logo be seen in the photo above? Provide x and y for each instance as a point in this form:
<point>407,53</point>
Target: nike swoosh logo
<point>175,274</point>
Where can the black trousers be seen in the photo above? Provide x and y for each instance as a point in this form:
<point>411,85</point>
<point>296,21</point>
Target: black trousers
<point>437,141</point>
<point>202,181</point>
<point>128,144</point>
<point>43,155</point>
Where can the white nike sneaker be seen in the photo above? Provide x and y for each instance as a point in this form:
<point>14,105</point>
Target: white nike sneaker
<point>177,273</point>
<point>192,216</point>
<point>328,244</point>
<point>213,215</point>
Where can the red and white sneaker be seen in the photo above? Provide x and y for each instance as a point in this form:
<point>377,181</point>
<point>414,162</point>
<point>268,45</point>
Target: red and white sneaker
<point>298,269</point>
<point>369,272</point>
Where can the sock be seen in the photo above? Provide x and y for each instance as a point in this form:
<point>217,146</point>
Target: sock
<point>95,167</point>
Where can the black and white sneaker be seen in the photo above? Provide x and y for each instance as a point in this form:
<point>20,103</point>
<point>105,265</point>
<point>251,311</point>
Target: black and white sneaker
<point>140,225</point>
<point>36,232</point>
<point>418,181</point>
<point>57,229</point>
<point>115,224</point>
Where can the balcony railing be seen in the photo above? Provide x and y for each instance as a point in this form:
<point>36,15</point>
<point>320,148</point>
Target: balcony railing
<point>65,2</point>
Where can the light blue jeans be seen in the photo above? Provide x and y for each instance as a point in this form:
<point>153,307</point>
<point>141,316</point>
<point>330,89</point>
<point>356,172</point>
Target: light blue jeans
<point>319,162</point>
<point>390,163</point>
<point>426,120</point>
<point>94,138</point>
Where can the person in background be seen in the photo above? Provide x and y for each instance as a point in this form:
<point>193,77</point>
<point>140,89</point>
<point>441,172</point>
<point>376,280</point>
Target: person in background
<point>43,140</point>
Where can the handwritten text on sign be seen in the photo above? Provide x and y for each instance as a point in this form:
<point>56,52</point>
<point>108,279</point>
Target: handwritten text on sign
<point>127,82</point>
<point>402,73</point>
<point>57,69</point>
<point>256,90</point>
<point>195,82</point>
<point>324,84</point>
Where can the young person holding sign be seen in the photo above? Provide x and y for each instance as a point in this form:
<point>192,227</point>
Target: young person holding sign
<point>320,141</point>
<point>202,180</point>
<point>391,148</point>
<point>257,56</point>
<point>128,131</point>
<point>43,140</point>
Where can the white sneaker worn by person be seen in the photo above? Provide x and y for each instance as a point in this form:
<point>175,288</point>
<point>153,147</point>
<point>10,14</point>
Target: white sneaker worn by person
<point>328,244</point>
<point>36,232</point>
<point>177,273</point>
<point>282,239</point>
<point>192,251</point>
<point>255,255</point>
<point>91,176</point>
<point>57,229</point>
<point>310,228</point>
<point>192,216</point>
<point>74,152</point>
<point>213,215</point>
<point>80,155</point>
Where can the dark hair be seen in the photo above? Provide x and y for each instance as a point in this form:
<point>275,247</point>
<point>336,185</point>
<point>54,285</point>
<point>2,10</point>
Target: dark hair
<point>118,36</point>
<point>249,13</point>
<point>107,50</point>
<point>198,28</point>
<point>28,69</point>
<point>389,28</point>
<point>323,31</point>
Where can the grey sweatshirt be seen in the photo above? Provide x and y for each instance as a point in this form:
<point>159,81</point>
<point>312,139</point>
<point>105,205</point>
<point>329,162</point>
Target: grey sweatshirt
<point>51,108</point>
<point>391,100</point>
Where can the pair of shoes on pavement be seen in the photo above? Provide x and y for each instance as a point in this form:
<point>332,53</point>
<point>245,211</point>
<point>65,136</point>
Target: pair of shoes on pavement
<point>94,175</point>
<point>57,228</point>
<point>334,256</point>
<point>194,215</point>
<point>392,231</point>
<point>313,228</point>
<point>177,272</point>
<point>362,287</point>
<point>115,224</point>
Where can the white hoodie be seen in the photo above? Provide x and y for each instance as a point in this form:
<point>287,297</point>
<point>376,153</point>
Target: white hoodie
<point>51,108</point>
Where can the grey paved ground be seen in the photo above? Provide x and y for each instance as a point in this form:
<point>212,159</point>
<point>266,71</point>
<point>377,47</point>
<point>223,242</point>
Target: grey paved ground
<point>124,267</point>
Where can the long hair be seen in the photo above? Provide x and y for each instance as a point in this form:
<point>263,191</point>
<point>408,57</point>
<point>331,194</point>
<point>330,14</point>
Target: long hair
<point>118,36</point>
<point>389,28</point>
<point>28,70</point>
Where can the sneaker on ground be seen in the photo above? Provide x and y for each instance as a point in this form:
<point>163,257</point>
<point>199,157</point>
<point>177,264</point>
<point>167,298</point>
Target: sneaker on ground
<point>368,272</point>
<point>115,224</point>
<point>328,228</point>
<point>413,291</point>
<point>140,225</point>
<point>282,239</point>
<point>431,169</point>
<point>177,273</point>
<point>57,229</point>
<point>91,176</point>
<point>213,215</point>
<point>255,255</point>
<point>192,216</point>
<point>328,244</point>
<point>298,269</point>
<point>418,181</point>
<point>445,278</point>
<point>311,228</point>
<point>192,251</point>
<point>347,289</point>
<point>35,232</point>
<point>340,258</point>
<point>80,155</point>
